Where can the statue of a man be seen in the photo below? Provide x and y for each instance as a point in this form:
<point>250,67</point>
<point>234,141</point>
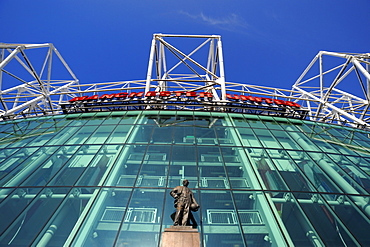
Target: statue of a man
<point>184,202</point>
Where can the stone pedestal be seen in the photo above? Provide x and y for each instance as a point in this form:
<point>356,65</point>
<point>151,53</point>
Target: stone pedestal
<point>180,236</point>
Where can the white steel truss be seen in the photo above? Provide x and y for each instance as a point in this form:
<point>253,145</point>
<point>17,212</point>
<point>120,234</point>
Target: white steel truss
<point>319,88</point>
<point>193,63</point>
<point>200,76</point>
<point>28,86</point>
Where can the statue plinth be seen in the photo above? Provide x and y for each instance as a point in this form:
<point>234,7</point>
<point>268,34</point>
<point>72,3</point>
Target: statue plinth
<point>180,236</point>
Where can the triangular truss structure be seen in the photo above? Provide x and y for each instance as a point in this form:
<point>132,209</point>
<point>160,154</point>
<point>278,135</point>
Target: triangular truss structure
<point>319,88</point>
<point>187,63</point>
<point>28,86</point>
<point>194,75</point>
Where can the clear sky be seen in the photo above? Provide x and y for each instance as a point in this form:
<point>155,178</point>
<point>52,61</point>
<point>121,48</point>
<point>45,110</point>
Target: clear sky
<point>265,42</point>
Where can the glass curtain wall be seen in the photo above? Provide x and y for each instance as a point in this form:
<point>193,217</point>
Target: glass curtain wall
<point>103,179</point>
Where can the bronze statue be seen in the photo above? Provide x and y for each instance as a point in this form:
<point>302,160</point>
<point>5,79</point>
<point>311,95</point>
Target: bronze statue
<point>184,204</point>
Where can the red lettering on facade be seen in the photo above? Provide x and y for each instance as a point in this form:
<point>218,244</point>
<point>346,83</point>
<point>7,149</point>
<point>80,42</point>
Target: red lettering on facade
<point>235,97</point>
<point>151,94</point>
<point>205,95</point>
<point>107,96</point>
<point>290,103</point>
<point>279,102</point>
<point>94,97</point>
<point>164,94</point>
<point>191,94</point>
<point>179,93</point>
<point>78,98</point>
<point>121,95</point>
<point>257,100</point>
<point>268,100</point>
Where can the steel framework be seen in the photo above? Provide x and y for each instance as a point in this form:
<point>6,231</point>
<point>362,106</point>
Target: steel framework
<point>319,88</point>
<point>195,63</point>
<point>32,88</point>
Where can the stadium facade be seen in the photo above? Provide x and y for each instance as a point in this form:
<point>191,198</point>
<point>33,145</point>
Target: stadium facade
<point>93,164</point>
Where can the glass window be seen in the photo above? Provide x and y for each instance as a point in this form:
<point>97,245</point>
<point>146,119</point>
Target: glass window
<point>154,168</point>
<point>76,165</point>
<point>292,176</point>
<point>328,227</point>
<point>266,138</point>
<point>221,224</point>
<point>142,220</point>
<point>127,166</point>
<point>36,213</point>
<point>99,167</point>
<point>19,165</point>
<point>183,166</point>
<point>211,168</point>
<point>267,173</point>
<point>285,140</point>
<point>238,167</point>
<point>103,220</point>
<point>55,160</point>
<point>248,137</point>
<point>100,134</point>
<point>60,137</point>
<point>119,134</point>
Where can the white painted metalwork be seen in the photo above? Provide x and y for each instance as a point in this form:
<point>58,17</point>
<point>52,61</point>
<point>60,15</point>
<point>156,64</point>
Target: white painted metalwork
<point>319,88</point>
<point>28,86</point>
<point>176,68</point>
<point>190,63</point>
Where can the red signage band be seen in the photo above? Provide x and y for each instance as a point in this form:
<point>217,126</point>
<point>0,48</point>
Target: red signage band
<point>189,94</point>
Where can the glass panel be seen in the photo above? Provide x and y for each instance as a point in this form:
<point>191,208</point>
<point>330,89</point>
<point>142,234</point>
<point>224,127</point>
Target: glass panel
<point>99,167</point>
<point>358,176</point>
<point>183,166</point>
<point>270,123</point>
<point>13,205</point>
<point>162,135</point>
<point>76,165</point>
<point>329,229</point>
<point>257,220</point>
<point>19,165</point>
<point>267,172</point>
<point>114,118</point>
<point>60,137</point>
<point>154,168</point>
<point>240,122</point>
<point>248,137</point>
<point>205,136</point>
<point>141,134</point>
<point>30,222</point>
<point>126,168</point>
<point>289,171</point>
<point>183,135</point>
<point>211,168</point>
<point>311,168</point>
<point>54,162</point>
<point>81,135</point>
<point>119,134</point>
<point>255,122</point>
<point>221,225</point>
<point>351,217</point>
<point>295,222</point>
<point>100,134</point>
<point>285,140</point>
<point>239,170</point>
<point>56,231</point>
<point>141,225</point>
<point>103,219</point>
<point>266,138</point>
<point>131,117</point>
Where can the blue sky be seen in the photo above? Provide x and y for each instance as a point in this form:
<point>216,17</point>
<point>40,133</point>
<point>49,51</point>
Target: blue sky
<point>265,42</point>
